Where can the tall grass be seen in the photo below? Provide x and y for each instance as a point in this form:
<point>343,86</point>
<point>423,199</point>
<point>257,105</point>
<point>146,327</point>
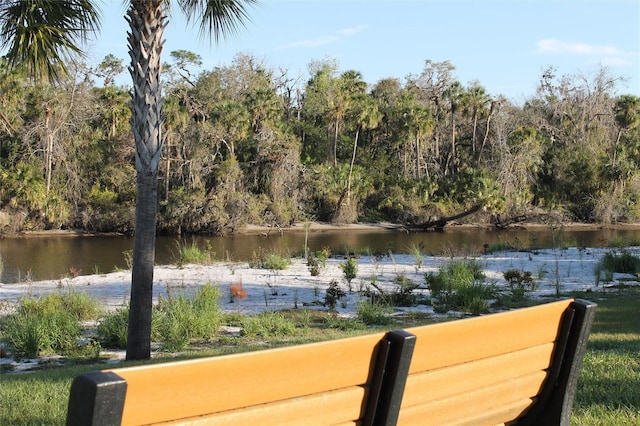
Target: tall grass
<point>194,254</point>
<point>48,325</point>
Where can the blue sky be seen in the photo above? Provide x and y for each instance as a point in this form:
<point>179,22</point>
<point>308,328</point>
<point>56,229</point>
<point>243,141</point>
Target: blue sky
<point>504,44</point>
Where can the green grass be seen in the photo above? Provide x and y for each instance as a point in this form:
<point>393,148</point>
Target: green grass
<point>609,387</point>
<point>193,254</point>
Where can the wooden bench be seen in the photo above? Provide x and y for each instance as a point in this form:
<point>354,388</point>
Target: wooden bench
<point>343,381</point>
<point>517,367</point>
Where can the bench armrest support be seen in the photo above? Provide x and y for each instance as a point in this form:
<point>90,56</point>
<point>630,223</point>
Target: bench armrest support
<point>97,398</point>
<point>556,400</point>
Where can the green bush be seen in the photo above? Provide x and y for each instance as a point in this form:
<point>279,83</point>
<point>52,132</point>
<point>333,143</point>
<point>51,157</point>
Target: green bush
<point>273,261</point>
<point>520,282</point>
<point>333,295</point>
<point>80,305</point>
<point>181,319</point>
<point>459,286</point>
<point>193,254</point>
<point>316,261</point>
<point>44,326</point>
<point>621,261</point>
<point>112,328</point>
<point>372,313</point>
<point>350,270</point>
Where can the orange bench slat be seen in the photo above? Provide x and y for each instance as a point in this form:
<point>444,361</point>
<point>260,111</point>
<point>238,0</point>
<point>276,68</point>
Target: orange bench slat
<point>198,387</point>
<point>455,342</point>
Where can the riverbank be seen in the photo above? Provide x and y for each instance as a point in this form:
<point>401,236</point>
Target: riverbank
<point>554,270</point>
<point>365,226</point>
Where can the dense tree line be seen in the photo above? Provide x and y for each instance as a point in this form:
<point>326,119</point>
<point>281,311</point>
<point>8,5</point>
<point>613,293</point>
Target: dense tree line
<point>248,144</point>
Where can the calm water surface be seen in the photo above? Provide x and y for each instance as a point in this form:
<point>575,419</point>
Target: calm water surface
<point>40,258</point>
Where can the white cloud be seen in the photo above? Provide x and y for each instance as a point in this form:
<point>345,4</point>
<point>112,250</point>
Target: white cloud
<point>324,40</point>
<point>552,45</point>
<point>603,54</point>
<point>351,31</point>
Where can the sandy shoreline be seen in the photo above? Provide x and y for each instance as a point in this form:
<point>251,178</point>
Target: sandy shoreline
<point>325,226</point>
<point>570,269</point>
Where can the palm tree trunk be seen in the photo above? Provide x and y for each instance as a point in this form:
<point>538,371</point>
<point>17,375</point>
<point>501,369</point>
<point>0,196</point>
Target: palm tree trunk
<point>147,20</point>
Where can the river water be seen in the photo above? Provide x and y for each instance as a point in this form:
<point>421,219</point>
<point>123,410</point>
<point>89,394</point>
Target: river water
<point>53,257</point>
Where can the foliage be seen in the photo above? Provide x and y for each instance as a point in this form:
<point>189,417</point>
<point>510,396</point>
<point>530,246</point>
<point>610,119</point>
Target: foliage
<point>333,295</point>
<point>316,261</point>
<point>370,313</point>
<point>49,325</point>
<point>194,254</point>
<point>267,324</point>
<point>182,319</point>
<point>459,286</point>
<point>112,328</point>
<point>240,149</point>
<point>519,283</point>
<point>349,269</point>
<point>620,261</point>
<point>269,260</point>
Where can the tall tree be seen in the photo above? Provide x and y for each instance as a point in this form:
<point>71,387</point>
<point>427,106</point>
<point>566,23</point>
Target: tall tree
<point>42,34</point>
<point>147,20</point>
<point>627,117</point>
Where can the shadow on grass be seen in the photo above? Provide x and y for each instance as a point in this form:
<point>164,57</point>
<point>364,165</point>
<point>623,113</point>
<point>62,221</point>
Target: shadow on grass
<point>610,381</point>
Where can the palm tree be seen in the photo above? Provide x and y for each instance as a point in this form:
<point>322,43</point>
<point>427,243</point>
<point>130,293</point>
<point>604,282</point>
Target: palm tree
<point>43,34</point>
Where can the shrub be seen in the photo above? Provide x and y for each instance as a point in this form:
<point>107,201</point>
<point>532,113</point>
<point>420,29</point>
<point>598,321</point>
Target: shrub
<point>459,286</point>
<point>194,254</point>
<point>112,328</point>
<point>349,269</point>
<point>43,326</point>
<point>181,319</point>
<point>404,295</point>
<point>271,261</point>
<point>621,261</point>
<point>372,313</point>
<point>333,295</point>
<point>316,261</point>
<point>520,282</point>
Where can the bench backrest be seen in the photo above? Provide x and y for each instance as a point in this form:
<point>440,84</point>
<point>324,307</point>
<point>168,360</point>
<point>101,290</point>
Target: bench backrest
<point>516,367</point>
<point>336,382</point>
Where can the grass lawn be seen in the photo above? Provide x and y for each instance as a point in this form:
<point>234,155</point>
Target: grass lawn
<point>609,386</point>
<point>608,390</point>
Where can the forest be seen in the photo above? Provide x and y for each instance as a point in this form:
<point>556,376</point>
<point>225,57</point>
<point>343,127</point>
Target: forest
<point>247,144</point>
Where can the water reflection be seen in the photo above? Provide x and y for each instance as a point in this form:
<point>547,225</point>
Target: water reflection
<point>53,257</point>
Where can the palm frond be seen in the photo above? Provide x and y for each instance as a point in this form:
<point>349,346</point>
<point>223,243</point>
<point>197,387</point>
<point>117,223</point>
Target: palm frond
<point>43,34</point>
<point>218,18</point>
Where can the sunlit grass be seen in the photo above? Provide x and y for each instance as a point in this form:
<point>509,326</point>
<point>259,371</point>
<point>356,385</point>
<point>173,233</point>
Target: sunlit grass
<point>609,387</point>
